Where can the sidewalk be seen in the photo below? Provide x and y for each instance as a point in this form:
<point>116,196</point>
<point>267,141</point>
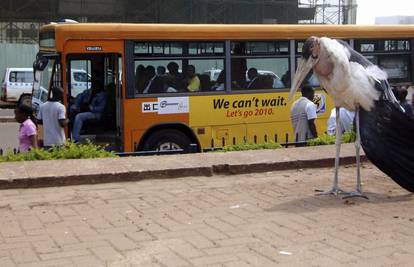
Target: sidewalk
<point>90,171</point>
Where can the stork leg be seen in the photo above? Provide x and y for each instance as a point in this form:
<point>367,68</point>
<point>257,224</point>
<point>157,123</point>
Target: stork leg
<point>335,190</point>
<point>358,190</point>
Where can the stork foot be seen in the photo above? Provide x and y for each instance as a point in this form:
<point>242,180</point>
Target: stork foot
<point>355,194</point>
<point>333,191</point>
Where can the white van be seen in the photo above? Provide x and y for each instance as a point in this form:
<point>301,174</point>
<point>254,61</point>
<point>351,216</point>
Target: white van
<point>16,81</point>
<point>81,80</point>
<point>19,81</point>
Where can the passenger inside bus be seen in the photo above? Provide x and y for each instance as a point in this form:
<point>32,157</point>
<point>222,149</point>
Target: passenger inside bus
<point>161,70</point>
<point>80,100</point>
<point>192,82</point>
<point>258,81</point>
<point>286,79</point>
<point>92,110</point>
<point>175,78</point>
<point>205,82</point>
<point>140,79</point>
<point>150,75</point>
<point>219,85</point>
<point>238,65</point>
<point>253,82</point>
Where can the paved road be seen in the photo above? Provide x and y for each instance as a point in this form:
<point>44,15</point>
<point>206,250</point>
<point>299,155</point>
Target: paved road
<point>8,131</point>
<point>8,135</point>
<point>243,220</point>
<point>8,112</point>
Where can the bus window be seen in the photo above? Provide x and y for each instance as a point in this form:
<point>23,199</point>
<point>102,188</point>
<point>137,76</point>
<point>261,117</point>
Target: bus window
<point>173,67</point>
<point>271,70</point>
<point>80,77</point>
<point>158,76</point>
<point>50,76</point>
<point>396,67</point>
<point>211,74</point>
<point>393,56</point>
<point>310,79</point>
<point>259,65</point>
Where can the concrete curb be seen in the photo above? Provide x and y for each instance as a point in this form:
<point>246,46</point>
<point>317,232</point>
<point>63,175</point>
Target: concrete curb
<point>93,172</point>
<point>48,181</point>
<point>280,166</point>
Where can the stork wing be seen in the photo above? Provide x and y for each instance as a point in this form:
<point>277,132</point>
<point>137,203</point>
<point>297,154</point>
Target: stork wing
<point>378,76</point>
<point>355,56</point>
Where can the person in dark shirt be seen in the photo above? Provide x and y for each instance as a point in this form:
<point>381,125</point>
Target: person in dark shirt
<point>402,95</point>
<point>92,110</point>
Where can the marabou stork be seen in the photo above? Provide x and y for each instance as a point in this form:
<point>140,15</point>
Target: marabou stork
<point>382,127</point>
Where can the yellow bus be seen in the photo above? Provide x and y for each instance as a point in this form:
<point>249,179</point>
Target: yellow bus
<point>169,85</point>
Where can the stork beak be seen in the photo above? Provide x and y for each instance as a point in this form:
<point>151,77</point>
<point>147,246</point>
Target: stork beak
<point>304,66</point>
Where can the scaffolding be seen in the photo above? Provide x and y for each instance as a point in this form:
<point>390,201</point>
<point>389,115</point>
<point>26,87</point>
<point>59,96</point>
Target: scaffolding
<point>331,11</point>
<point>20,20</point>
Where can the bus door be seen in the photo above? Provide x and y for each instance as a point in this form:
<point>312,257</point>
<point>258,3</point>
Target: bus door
<point>47,74</point>
<point>94,86</point>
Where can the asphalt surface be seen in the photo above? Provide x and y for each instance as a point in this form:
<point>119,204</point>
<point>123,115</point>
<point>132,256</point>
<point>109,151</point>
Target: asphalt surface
<point>8,129</point>
<point>8,135</point>
<point>9,112</point>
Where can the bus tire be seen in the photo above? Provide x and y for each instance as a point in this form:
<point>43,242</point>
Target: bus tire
<point>167,139</point>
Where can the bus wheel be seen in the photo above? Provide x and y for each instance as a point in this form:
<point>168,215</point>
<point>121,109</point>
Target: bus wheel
<point>168,139</point>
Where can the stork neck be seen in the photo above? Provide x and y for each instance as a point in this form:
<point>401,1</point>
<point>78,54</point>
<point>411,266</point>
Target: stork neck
<point>324,66</point>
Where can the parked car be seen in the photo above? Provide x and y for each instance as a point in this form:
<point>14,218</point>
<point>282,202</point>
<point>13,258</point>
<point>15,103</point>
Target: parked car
<point>213,74</point>
<point>16,82</point>
<point>277,83</point>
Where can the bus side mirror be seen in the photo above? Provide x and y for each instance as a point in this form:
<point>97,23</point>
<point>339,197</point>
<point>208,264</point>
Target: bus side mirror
<point>40,63</point>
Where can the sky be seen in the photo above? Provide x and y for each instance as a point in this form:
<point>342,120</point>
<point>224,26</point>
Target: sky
<point>368,10</point>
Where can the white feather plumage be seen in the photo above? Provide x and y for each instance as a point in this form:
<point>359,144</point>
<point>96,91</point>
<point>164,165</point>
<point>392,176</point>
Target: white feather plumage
<point>350,84</point>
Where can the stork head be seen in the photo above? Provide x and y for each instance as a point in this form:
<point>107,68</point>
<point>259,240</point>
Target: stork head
<point>310,57</point>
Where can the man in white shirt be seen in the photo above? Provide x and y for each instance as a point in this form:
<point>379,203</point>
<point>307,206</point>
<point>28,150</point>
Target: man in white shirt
<point>303,115</point>
<point>52,114</point>
<point>346,119</point>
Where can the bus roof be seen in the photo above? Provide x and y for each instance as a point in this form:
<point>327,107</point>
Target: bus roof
<point>121,31</point>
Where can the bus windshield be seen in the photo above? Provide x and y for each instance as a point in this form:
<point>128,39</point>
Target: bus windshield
<point>47,74</point>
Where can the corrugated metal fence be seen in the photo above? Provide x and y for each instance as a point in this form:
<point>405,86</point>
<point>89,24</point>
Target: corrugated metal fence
<point>17,56</point>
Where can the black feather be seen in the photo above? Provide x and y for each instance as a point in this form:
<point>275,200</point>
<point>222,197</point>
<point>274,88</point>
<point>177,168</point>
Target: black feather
<point>387,139</point>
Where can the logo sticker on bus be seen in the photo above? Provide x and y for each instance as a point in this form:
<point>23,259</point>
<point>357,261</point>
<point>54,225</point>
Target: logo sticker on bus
<point>320,102</point>
<point>94,48</point>
<point>173,105</point>
<point>167,105</point>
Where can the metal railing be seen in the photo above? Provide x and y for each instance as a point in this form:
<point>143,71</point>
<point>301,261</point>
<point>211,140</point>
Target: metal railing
<point>286,143</point>
<point>193,148</point>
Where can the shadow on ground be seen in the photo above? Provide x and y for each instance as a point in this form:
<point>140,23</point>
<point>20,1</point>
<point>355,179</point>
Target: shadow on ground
<point>316,203</point>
